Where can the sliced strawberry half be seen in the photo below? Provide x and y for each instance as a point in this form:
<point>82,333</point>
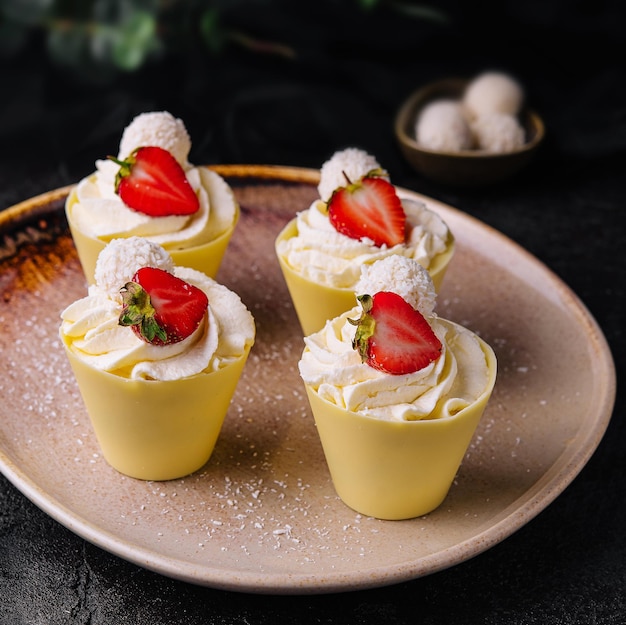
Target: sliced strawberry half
<point>161,308</point>
<point>151,181</point>
<point>369,208</point>
<point>392,336</point>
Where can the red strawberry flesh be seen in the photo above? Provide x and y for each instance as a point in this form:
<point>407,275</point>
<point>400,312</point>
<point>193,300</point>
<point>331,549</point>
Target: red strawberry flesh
<point>369,208</point>
<point>161,308</point>
<point>151,181</point>
<point>394,337</point>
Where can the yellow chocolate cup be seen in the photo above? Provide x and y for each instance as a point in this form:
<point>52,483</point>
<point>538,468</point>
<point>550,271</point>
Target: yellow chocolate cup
<point>396,469</point>
<point>206,258</point>
<point>317,303</point>
<point>155,430</point>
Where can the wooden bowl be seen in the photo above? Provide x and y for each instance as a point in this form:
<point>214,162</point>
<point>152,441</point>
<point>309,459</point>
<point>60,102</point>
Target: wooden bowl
<point>467,167</point>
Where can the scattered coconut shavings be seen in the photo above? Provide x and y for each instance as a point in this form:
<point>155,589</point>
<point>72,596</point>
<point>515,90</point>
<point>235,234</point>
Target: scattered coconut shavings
<point>242,503</point>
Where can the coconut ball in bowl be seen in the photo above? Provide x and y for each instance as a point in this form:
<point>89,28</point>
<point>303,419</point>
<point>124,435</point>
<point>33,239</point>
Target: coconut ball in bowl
<point>443,126</point>
<point>468,133</point>
<point>493,92</point>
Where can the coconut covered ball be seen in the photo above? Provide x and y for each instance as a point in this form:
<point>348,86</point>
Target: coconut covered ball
<point>119,261</point>
<point>493,92</point>
<point>159,129</point>
<point>497,132</point>
<point>442,126</point>
<point>351,162</point>
<point>403,276</point>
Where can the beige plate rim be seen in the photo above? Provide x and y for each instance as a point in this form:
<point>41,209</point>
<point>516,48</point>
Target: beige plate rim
<point>510,519</point>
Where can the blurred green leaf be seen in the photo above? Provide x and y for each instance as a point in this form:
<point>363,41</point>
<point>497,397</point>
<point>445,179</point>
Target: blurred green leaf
<point>210,30</point>
<point>67,45</point>
<point>71,47</point>
<point>26,12</point>
<point>135,40</point>
<point>368,5</point>
<point>100,38</point>
<point>420,11</point>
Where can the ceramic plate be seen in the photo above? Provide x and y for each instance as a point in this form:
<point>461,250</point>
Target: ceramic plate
<point>262,515</point>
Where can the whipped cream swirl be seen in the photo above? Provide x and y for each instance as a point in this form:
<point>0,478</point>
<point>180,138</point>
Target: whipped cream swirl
<point>100,213</point>
<point>91,330</point>
<point>331,367</point>
<point>323,255</point>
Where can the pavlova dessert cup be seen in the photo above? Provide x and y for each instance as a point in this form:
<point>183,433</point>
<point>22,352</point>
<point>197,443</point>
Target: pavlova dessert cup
<point>157,408</point>
<point>195,238</point>
<point>321,252</point>
<point>394,437</point>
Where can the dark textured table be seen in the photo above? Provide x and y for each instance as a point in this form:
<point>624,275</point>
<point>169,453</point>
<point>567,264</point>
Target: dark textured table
<point>342,87</point>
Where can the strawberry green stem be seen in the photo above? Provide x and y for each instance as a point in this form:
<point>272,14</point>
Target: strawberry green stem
<point>125,167</point>
<point>365,325</point>
<point>138,311</point>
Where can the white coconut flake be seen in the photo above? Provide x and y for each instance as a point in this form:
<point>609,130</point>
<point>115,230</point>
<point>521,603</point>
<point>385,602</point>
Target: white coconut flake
<point>403,276</point>
<point>352,163</point>
<point>160,129</point>
<point>121,258</point>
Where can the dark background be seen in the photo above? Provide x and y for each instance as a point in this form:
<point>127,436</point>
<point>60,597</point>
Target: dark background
<point>322,76</point>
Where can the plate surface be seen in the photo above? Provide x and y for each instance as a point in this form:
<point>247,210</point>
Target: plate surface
<point>262,515</point>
